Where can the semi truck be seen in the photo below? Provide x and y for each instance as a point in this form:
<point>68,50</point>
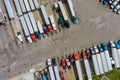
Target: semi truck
<point>107,56</point>
<point>102,54</point>
<point>2,20</point>
<point>27,5</point>
<point>73,16</point>
<point>46,20</point>
<point>31,4</point>
<point>95,63</point>
<point>55,68</point>
<point>99,60</point>
<point>36,4</point>
<point>50,69</point>
<point>40,28</point>
<point>22,6</point>
<point>52,21</point>
<point>18,9</point>
<point>78,66</point>
<point>34,25</point>
<point>29,25</point>
<point>64,15</point>
<point>87,66</point>
<point>119,50</point>
<point>25,29</point>
<point>9,9</point>
<point>114,54</point>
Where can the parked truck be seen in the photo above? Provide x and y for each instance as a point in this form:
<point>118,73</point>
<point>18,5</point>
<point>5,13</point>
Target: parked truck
<point>99,60</point>
<point>31,4</point>
<point>2,20</point>
<point>46,20</point>
<point>50,69</point>
<point>52,21</point>
<point>34,25</point>
<point>22,6</point>
<point>73,16</point>
<point>87,66</point>
<point>25,29</point>
<point>64,15</point>
<point>114,54</point>
<point>55,68</point>
<point>18,9</point>
<point>78,66</point>
<point>107,56</point>
<point>104,62</point>
<point>40,28</point>
<point>29,25</point>
<point>27,5</point>
<point>9,9</point>
<point>118,50</point>
<point>95,63</point>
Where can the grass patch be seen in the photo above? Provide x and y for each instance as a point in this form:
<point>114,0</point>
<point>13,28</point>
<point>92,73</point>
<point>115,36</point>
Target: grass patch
<point>112,75</point>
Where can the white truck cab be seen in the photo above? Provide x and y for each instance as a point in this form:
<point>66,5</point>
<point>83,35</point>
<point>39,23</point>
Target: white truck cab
<point>116,8</point>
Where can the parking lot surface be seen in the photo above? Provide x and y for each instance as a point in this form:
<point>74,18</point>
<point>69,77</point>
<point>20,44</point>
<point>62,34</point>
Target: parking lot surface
<point>97,23</point>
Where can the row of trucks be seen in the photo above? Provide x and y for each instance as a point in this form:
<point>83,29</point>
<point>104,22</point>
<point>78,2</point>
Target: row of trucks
<point>114,5</point>
<point>22,6</point>
<point>101,59</point>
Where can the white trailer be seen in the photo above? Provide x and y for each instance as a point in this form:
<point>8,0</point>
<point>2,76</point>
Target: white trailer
<point>56,73</point>
<point>119,51</point>
<point>51,73</point>
<point>107,56</point>
<point>78,68</point>
<point>104,62</point>
<point>25,29</point>
<point>33,21</point>
<point>9,9</point>
<point>31,4</point>
<point>63,10</point>
<point>114,54</point>
<point>40,28</point>
<point>36,4</point>
<point>27,5</point>
<point>95,63</point>
<point>52,21</point>
<point>29,25</point>
<point>2,20</point>
<point>73,18</point>
<point>22,6</point>
<point>44,15</point>
<point>18,8</point>
<point>87,69</point>
<point>99,60</point>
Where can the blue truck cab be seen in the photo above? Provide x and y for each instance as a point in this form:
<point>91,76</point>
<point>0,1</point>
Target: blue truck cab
<point>44,77</point>
<point>104,46</point>
<point>105,2</point>
<point>75,20</point>
<point>38,35</point>
<point>100,48</point>
<point>117,44</point>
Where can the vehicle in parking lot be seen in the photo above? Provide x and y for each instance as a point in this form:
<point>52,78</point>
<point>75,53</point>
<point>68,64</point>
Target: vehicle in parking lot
<point>86,64</point>
<point>68,63</point>
<point>114,4</point>
<point>45,30</point>
<point>63,62</point>
<point>107,56</point>
<point>116,8</point>
<point>61,74</point>
<point>78,66</point>
<point>50,69</point>
<point>114,53</point>
<point>94,60</point>
<point>111,1</point>
<point>100,66</point>
<point>71,58</point>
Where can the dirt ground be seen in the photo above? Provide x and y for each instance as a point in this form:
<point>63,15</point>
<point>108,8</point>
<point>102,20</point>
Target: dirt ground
<point>97,23</point>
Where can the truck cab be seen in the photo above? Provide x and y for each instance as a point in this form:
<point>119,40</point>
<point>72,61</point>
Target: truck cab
<point>74,19</point>
<point>116,8</point>
<point>114,4</point>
